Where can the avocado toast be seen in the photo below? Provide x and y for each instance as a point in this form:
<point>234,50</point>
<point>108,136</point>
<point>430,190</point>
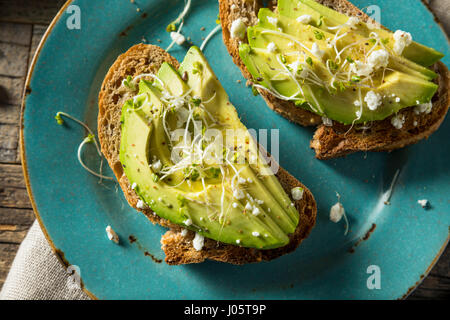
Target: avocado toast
<point>235,211</point>
<point>326,64</point>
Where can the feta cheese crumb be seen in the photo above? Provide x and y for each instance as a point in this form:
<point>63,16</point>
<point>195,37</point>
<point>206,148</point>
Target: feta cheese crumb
<point>357,103</point>
<point>234,205</point>
<point>327,121</point>
<point>373,100</point>
<point>157,166</point>
<point>316,51</point>
<point>178,38</point>
<point>249,180</point>
<point>238,241</point>
<point>415,123</point>
<point>134,185</point>
<point>188,222</point>
<point>237,29</point>
<point>140,204</point>
<point>241,180</point>
<point>397,99</point>
<point>423,108</point>
<point>397,121</point>
<point>402,40</point>
<point>337,211</point>
<point>248,206</point>
<point>352,22</point>
<point>424,203</point>
<point>238,194</point>
<point>184,232</point>
<point>112,235</point>
<point>255,233</point>
<point>305,19</point>
<point>271,47</point>
<point>198,242</point>
<point>255,211</point>
<point>272,20</point>
<point>297,193</point>
<point>378,59</point>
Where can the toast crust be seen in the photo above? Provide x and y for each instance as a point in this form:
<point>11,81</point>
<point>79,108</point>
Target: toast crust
<point>141,59</point>
<point>339,140</point>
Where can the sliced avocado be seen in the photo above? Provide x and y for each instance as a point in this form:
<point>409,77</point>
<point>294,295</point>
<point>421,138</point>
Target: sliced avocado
<point>307,32</point>
<point>339,106</point>
<point>208,207</point>
<point>326,17</point>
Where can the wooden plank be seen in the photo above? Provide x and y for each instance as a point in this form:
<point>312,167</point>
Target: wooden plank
<point>12,58</point>
<point>14,224</point>
<point>25,11</point>
<point>7,254</point>
<point>16,33</point>
<point>13,193</point>
<point>9,143</point>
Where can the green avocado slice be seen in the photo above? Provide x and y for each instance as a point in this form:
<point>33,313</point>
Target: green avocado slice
<point>194,204</point>
<point>308,32</point>
<point>325,17</point>
<point>338,106</point>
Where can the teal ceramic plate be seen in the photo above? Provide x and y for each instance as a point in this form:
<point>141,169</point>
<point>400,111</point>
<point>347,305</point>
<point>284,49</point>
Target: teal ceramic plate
<point>74,208</point>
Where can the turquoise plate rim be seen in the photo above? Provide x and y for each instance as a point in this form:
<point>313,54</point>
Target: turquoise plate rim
<point>59,253</point>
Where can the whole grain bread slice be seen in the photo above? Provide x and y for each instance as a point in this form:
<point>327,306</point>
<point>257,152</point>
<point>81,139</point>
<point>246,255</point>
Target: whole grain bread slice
<point>141,59</point>
<point>339,140</point>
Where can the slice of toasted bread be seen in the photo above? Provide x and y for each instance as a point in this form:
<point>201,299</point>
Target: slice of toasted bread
<point>338,140</point>
<point>141,59</point>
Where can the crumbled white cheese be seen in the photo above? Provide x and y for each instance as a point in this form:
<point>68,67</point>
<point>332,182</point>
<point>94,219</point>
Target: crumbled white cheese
<point>160,199</point>
<point>140,204</point>
<point>397,99</point>
<point>238,194</point>
<point>424,203</point>
<point>373,24</point>
<point>361,68</point>
<point>188,222</point>
<point>327,122</point>
<point>415,123</point>
<point>378,59</point>
<point>305,19</point>
<point>358,114</point>
<point>272,20</point>
<point>295,66</point>
<point>337,211</point>
<point>373,100</point>
<point>423,108</point>
<point>291,44</point>
<point>178,38</point>
<point>238,241</point>
<point>260,202</point>
<point>352,22</point>
<point>402,40</point>
<point>297,193</point>
<point>316,51</point>
<point>134,185</point>
<point>112,235</point>
<point>255,211</point>
<point>241,180</point>
<point>238,28</point>
<point>157,166</point>
<point>271,47</point>
<point>184,232</point>
<point>248,206</point>
<point>198,242</point>
<point>357,103</point>
<point>398,120</point>
<point>255,233</point>
<point>249,180</point>
<point>234,205</point>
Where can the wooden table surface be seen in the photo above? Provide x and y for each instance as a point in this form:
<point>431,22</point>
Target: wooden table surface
<point>22,24</point>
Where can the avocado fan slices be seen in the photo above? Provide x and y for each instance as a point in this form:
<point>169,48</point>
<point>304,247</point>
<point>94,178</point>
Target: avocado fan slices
<point>186,175</point>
